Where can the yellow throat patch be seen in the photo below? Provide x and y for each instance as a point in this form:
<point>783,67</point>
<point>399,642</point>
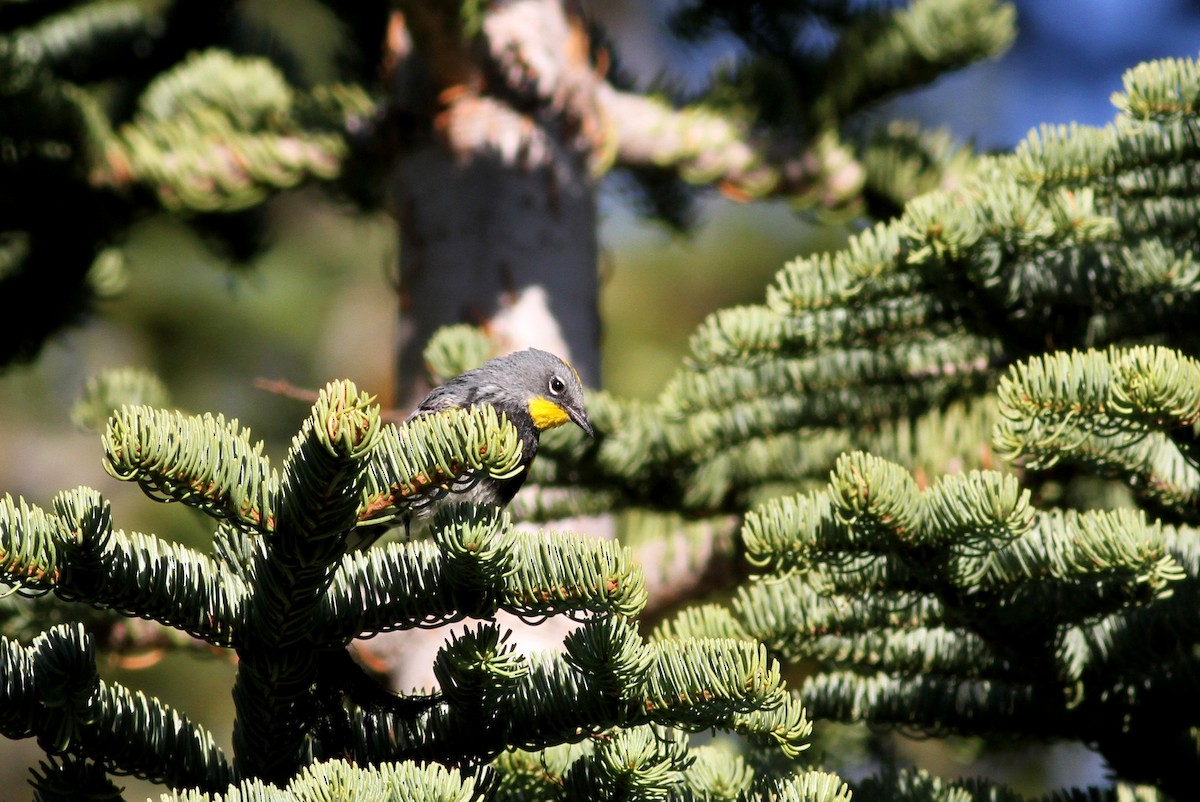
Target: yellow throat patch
<point>546,414</point>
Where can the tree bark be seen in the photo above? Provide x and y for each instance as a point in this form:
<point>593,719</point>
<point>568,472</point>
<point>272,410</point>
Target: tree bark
<point>496,206</point>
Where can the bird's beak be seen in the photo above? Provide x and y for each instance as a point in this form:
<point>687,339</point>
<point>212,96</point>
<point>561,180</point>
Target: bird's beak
<point>579,418</point>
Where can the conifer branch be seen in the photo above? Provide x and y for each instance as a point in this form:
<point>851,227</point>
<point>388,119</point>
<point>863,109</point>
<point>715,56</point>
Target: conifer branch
<point>92,33</point>
<point>51,690</point>
<point>911,785</point>
<point>219,133</point>
<point>205,462</point>
<point>415,781</point>
<point>1124,413</point>
<point>478,564</point>
<point>432,455</point>
<point>901,161</point>
<point>885,52</point>
<point>318,502</point>
<point>607,678</point>
<point>703,146</point>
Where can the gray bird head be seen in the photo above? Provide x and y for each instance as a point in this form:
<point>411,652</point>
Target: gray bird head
<point>531,383</point>
<point>549,388</point>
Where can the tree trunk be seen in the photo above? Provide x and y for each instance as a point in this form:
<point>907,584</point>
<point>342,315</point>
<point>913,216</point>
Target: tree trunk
<point>496,206</point>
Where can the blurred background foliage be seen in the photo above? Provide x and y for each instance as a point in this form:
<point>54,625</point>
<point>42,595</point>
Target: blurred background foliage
<point>316,305</point>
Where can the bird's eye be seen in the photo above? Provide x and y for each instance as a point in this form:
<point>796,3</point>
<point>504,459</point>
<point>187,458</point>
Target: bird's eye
<point>557,385</point>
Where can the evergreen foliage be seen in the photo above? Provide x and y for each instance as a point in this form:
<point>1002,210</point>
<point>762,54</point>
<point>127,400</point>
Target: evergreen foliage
<point>281,591</point>
<point>1045,297</point>
<point>902,434</point>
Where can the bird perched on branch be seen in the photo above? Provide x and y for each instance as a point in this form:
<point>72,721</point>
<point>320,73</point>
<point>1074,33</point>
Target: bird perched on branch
<point>533,389</point>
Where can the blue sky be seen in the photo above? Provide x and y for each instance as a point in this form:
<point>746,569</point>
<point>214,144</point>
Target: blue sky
<point>1066,63</point>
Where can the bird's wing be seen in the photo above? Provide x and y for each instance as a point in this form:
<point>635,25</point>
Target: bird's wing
<point>454,395</point>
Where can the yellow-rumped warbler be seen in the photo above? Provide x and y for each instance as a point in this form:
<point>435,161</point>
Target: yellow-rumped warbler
<point>534,390</point>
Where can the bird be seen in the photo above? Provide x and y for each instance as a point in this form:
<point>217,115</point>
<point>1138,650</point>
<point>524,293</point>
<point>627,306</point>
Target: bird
<point>534,389</point>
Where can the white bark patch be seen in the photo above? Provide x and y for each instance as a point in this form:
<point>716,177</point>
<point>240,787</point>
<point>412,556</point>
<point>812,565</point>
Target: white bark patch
<point>525,321</point>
